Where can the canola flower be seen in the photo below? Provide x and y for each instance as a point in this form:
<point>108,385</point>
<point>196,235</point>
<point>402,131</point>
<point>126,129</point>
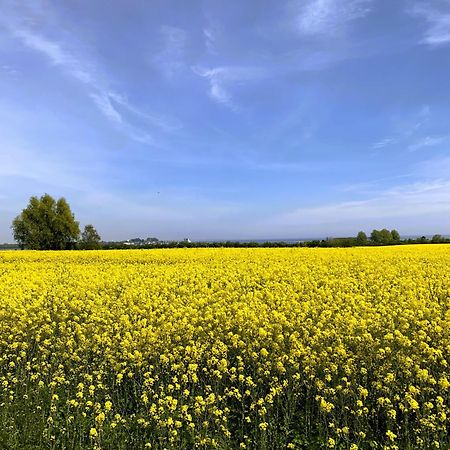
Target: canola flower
<point>226,348</point>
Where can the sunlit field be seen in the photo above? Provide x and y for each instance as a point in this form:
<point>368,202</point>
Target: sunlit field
<point>225,348</point>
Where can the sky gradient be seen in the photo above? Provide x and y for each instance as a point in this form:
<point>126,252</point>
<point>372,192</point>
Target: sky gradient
<point>228,120</point>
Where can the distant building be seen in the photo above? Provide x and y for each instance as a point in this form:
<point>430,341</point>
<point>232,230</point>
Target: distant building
<point>139,242</point>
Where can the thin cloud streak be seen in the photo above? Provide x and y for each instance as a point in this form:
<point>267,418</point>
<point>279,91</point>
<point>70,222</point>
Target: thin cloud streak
<point>103,102</point>
<point>408,129</point>
<point>407,201</point>
<point>437,16</point>
<point>98,90</point>
<point>56,54</point>
<point>383,143</point>
<point>328,17</point>
<point>5,68</point>
<point>427,141</point>
<point>210,40</point>
<point>221,78</point>
<point>217,90</point>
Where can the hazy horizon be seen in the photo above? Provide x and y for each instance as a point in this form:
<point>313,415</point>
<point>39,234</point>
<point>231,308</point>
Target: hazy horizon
<point>262,240</point>
<point>205,119</point>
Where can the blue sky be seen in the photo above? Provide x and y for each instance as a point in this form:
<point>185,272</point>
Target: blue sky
<point>227,120</point>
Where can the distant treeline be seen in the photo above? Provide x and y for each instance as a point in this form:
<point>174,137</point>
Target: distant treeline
<point>377,238</point>
<point>323,243</point>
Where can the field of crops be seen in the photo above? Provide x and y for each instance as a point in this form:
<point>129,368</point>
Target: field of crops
<point>225,348</point>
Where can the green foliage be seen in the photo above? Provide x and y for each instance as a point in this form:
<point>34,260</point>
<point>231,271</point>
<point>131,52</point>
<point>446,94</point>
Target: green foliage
<point>385,237</point>
<point>46,224</point>
<point>90,239</point>
<point>375,236</point>
<point>361,238</point>
<point>340,242</point>
<point>395,235</point>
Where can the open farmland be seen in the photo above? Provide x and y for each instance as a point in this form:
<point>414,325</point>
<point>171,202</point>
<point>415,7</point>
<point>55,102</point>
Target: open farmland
<point>225,348</point>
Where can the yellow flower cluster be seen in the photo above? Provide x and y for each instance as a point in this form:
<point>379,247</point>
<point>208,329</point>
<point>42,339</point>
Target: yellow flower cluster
<point>226,348</point>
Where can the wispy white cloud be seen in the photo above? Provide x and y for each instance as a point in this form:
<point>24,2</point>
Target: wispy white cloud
<point>407,128</point>
<point>221,79</point>
<point>437,16</point>
<point>420,202</point>
<point>328,17</point>
<point>217,80</point>
<point>65,57</point>
<point>383,143</point>
<point>9,70</point>
<point>103,102</point>
<point>114,104</point>
<point>56,54</point>
<point>423,202</point>
<point>209,35</point>
<point>427,141</point>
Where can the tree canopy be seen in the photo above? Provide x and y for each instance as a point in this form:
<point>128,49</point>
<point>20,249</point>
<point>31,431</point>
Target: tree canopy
<point>395,235</point>
<point>90,239</point>
<point>46,224</point>
<point>385,236</point>
<point>375,236</point>
<point>361,238</point>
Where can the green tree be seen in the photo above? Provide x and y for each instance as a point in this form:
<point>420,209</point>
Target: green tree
<point>386,236</point>
<point>375,237</point>
<point>437,238</point>
<point>361,238</point>
<point>90,239</point>
<point>46,224</point>
<point>395,235</point>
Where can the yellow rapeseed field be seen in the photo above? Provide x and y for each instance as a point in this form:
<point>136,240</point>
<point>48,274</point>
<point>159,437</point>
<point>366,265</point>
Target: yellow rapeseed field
<point>225,348</point>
